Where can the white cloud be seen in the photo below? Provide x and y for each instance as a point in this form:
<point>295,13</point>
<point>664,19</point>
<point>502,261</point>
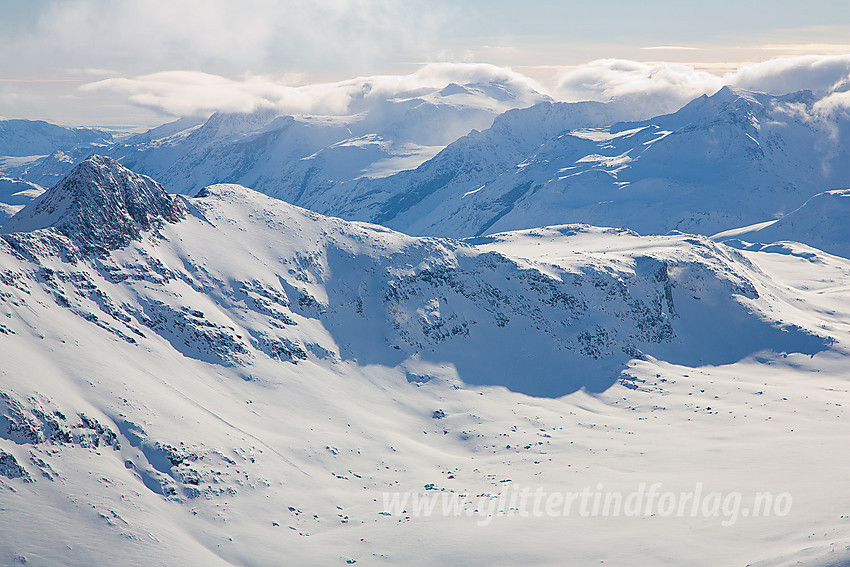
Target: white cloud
<point>186,93</point>
<point>667,86</point>
<point>834,103</point>
<point>191,92</point>
<point>651,88</point>
<point>821,73</point>
<point>160,46</point>
<point>662,87</point>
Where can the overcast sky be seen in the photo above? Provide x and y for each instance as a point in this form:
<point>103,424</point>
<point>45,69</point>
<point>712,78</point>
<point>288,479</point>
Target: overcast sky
<point>52,51</point>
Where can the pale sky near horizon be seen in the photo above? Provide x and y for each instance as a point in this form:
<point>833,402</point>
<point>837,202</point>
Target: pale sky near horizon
<point>50,48</point>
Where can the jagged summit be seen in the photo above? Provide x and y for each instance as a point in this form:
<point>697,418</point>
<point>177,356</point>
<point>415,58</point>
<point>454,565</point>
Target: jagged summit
<point>101,205</point>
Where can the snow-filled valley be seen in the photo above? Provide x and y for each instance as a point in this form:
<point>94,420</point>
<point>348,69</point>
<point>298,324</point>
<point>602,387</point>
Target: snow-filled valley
<point>231,379</point>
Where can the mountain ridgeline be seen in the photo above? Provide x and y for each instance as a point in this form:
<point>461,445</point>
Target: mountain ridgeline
<point>724,161</point>
<point>382,297</point>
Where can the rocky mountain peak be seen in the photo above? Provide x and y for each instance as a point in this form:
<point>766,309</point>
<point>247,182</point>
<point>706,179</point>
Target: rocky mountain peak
<point>100,204</point>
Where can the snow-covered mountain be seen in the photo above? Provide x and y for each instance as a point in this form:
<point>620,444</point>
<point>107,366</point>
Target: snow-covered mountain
<point>296,156</point>
<point>42,153</point>
<point>21,138</point>
<point>100,205</point>
<point>724,161</point>
<point>467,162</point>
<point>230,379</point>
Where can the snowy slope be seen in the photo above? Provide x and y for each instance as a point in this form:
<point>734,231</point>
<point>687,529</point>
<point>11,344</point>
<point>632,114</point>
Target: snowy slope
<point>229,379</point>
<point>292,157</point>
<point>466,164</point>
<point>724,161</point>
<point>14,194</point>
<point>822,222</point>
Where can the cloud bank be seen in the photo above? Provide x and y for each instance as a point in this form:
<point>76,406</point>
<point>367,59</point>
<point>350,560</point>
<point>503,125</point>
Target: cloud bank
<point>663,87</point>
<point>653,88</point>
<point>822,74</point>
<point>184,93</point>
<point>672,84</point>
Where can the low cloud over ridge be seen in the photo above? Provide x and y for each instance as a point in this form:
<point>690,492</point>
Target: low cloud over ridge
<point>192,92</point>
<point>674,84</point>
<point>656,87</point>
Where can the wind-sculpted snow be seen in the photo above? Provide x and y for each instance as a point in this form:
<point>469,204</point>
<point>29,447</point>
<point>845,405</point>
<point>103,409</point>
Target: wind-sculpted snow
<point>227,378</point>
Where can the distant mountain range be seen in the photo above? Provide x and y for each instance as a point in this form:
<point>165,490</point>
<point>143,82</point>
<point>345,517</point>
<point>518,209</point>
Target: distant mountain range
<point>21,138</point>
<point>42,153</point>
<point>450,162</point>
<point>14,194</point>
<point>301,155</point>
<point>724,161</point>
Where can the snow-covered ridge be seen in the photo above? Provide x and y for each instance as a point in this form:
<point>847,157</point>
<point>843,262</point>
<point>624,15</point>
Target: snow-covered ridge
<point>384,297</point>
